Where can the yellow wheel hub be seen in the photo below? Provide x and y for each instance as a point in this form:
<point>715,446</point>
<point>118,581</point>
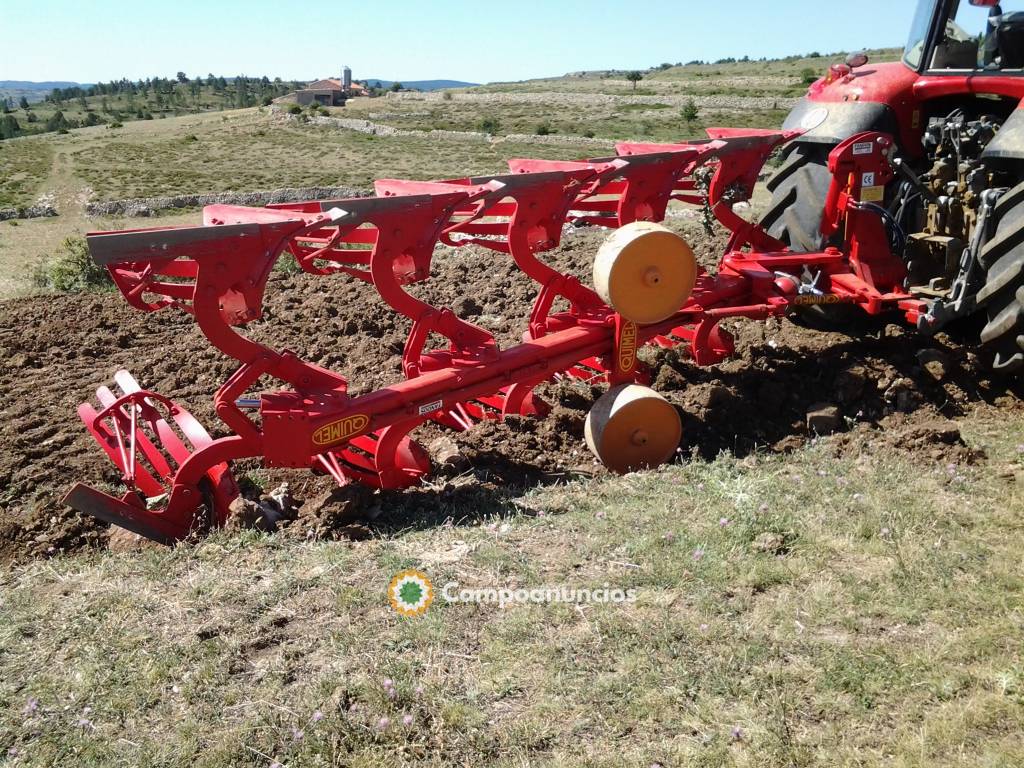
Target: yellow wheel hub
<point>645,272</point>
<point>632,427</point>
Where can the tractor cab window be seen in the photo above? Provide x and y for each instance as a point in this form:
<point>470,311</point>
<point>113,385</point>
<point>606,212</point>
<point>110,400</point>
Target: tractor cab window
<point>990,38</point>
<point>918,41</point>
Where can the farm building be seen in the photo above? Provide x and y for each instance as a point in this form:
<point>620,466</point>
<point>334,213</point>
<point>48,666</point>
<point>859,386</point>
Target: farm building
<point>331,92</point>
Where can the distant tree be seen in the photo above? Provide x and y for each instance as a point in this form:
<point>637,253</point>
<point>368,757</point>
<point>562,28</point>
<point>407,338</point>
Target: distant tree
<point>23,103</point>
<point>690,112</point>
<point>57,122</point>
<point>813,55</point>
<point>91,118</point>
<point>5,106</point>
<point>634,77</point>
<point>396,87</point>
<point>664,65</point>
<point>182,77</point>
<point>9,127</point>
<point>32,117</point>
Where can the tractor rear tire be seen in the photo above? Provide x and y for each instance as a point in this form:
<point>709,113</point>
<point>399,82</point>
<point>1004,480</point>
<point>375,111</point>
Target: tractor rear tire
<point>798,192</point>
<point>1002,337</point>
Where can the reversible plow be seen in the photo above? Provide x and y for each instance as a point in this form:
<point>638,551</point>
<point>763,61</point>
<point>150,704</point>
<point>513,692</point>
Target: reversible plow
<point>648,289</point>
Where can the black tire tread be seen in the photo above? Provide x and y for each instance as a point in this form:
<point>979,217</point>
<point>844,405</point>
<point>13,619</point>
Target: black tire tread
<point>1003,256</point>
<point>798,191</point>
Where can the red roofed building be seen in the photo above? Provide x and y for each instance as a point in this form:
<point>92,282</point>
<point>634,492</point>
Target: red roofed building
<point>331,92</point>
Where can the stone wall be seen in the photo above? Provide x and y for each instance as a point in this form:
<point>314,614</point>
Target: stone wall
<point>37,211</point>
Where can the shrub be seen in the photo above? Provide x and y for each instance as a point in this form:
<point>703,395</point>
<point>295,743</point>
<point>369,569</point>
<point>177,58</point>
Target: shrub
<point>489,125</point>
<point>446,95</point>
<point>72,271</point>
<point>544,129</point>
<point>9,127</point>
<point>808,75</point>
<point>57,121</point>
<point>287,264</point>
<point>294,109</point>
<point>689,112</point>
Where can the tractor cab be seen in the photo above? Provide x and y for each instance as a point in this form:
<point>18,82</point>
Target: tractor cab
<point>977,36</point>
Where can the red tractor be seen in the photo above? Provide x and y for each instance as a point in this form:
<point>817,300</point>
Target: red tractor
<point>954,212</point>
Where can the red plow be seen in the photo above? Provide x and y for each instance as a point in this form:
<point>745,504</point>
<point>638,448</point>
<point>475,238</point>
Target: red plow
<point>647,289</point>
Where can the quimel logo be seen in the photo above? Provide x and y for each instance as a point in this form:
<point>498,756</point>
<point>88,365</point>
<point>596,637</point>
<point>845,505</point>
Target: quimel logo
<point>410,593</point>
<point>627,346</point>
<point>338,430</point>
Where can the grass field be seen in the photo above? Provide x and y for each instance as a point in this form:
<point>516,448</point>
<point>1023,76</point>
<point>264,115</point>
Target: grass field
<point>24,167</point>
<point>651,122</point>
<point>791,611</point>
<point>245,152</point>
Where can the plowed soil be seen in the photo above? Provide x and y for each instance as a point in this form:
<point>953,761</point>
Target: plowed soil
<point>55,350</point>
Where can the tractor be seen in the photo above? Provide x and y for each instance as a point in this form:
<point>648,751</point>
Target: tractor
<point>954,212</point>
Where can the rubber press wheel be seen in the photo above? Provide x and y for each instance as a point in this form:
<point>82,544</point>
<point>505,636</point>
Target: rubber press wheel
<point>632,427</point>
<point>645,272</point>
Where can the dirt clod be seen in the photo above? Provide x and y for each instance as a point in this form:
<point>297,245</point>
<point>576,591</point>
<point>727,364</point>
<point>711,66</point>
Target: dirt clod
<point>934,363</point>
<point>823,419</point>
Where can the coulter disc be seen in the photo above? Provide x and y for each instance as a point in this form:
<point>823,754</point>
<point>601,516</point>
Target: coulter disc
<point>644,272</point>
<point>632,427</point>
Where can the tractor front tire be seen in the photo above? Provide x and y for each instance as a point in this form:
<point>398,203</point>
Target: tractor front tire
<point>1002,257</point>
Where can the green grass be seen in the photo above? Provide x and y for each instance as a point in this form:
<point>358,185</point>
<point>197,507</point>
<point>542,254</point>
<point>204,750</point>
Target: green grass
<point>245,154</point>
<point>780,77</point>
<point>879,625</point>
<point>657,122</point>
<point>24,165</point>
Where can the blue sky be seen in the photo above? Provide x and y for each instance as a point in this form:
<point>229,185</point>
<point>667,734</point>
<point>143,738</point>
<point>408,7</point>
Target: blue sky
<point>480,41</point>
